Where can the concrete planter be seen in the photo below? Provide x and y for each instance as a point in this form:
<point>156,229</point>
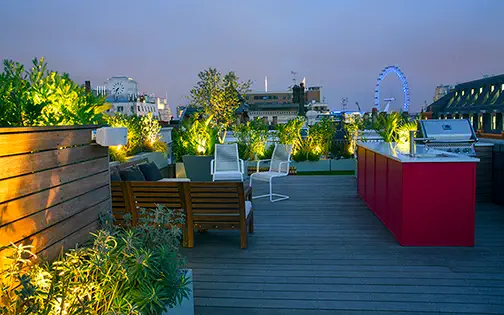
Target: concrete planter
<point>187,305</point>
<point>197,168</point>
<point>344,165</point>
<point>157,157</point>
<point>312,166</point>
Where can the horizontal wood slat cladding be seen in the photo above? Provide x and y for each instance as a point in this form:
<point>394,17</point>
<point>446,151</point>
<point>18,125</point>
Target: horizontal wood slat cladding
<point>27,184</point>
<point>28,163</point>
<point>19,208</point>
<point>15,143</point>
<point>53,187</point>
<point>27,226</point>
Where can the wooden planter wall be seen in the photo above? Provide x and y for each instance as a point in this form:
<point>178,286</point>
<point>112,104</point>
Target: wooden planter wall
<point>53,187</point>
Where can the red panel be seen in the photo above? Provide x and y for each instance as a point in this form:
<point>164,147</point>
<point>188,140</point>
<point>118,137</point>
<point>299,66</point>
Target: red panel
<point>370,179</point>
<point>361,172</point>
<point>381,187</point>
<point>439,204</point>
<point>393,212</point>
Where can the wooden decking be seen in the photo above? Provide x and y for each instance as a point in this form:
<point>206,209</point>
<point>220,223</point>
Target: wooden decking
<point>323,252</point>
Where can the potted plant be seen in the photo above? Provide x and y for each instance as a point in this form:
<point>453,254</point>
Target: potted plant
<point>194,144</point>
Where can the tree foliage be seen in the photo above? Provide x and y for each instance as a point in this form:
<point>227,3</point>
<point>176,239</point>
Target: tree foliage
<point>39,97</point>
<point>196,136</point>
<point>219,97</point>
<point>252,138</point>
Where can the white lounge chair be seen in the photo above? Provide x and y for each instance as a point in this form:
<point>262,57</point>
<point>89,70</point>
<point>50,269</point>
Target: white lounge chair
<point>226,165</point>
<point>279,167</point>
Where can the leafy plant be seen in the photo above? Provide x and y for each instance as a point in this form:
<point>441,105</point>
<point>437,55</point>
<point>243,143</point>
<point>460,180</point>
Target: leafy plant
<point>322,134</point>
<point>133,270</point>
<point>353,125</point>
<point>143,135</point>
<point>219,97</point>
<point>40,97</point>
<point>394,127</point>
<point>306,150</point>
<point>290,132</point>
<point>195,137</point>
<point>252,138</point>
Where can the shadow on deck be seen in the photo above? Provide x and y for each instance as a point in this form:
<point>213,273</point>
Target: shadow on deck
<point>324,252</point>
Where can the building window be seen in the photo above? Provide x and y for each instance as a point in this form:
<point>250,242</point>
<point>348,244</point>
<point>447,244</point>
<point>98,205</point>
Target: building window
<point>472,91</point>
<point>492,88</point>
<point>481,90</point>
<point>494,122</point>
<point>502,87</point>
<point>480,122</point>
<point>132,109</point>
<point>463,92</point>
<point>138,108</point>
<point>456,93</point>
<point>120,109</point>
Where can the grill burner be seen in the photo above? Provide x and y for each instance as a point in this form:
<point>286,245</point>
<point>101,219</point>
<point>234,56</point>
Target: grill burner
<point>450,135</point>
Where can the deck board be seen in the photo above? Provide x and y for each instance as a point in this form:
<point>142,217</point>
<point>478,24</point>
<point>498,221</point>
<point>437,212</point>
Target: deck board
<point>324,252</point>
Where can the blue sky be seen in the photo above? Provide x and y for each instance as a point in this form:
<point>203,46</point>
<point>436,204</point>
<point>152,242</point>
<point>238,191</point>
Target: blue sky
<point>342,45</point>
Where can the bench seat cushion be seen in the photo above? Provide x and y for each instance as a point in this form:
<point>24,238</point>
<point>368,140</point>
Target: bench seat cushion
<point>150,171</point>
<point>132,174</point>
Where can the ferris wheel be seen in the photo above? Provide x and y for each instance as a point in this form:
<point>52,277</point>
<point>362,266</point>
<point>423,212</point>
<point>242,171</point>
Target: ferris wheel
<point>404,82</point>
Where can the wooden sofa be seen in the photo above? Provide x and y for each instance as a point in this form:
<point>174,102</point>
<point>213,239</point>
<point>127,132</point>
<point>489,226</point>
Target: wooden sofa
<point>207,205</point>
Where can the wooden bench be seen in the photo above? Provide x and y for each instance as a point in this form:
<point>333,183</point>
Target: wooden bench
<point>219,206</point>
<point>223,205</point>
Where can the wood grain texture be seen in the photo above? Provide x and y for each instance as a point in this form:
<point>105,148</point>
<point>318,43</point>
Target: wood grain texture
<point>322,252</point>
<point>16,165</point>
<point>19,208</point>
<point>31,183</point>
<point>16,143</point>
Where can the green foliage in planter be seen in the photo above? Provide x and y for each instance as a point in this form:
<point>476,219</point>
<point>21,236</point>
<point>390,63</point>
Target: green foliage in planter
<point>290,132</point>
<point>353,125</point>
<point>39,97</point>
<point>220,97</point>
<point>143,135</point>
<point>322,134</point>
<point>196,136</point>
<point>122,271</point>
<point>252,138</point>
<point>305,150</point>
<point>394,127</point>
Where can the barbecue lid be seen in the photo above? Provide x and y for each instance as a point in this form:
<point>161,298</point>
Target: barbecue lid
<point>448,130</point>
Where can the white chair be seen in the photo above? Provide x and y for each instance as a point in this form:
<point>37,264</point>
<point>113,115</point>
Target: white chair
<point>226,165</point>
<point>279,167</point>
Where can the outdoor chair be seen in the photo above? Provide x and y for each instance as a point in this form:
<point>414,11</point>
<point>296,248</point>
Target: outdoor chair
<point>227,165</point>
<point>279,167</point>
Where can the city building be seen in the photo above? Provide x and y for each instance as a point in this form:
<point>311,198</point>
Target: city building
<point>441,90</point>
<point>481,101</point>
<point>122,92</point>
<point>277,107</point>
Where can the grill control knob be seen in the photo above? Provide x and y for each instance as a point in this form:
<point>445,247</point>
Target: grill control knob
<point>449,150</point>
<point>457,150</point>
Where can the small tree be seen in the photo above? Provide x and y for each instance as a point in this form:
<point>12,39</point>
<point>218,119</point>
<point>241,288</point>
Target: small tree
<point>219,97</point>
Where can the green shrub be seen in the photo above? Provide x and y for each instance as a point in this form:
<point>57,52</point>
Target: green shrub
<point>289,133</point>
<point>252,138</point>
<point>195,137</point>
<point>40,97</point>
<point>122,271</point>
<point>143,135</point>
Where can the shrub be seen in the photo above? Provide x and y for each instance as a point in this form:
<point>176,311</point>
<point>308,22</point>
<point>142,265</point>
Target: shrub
<point>40,97</point>
<point>394,127</point>
<point>143,135</point>
<point>322,134</point>
<point>195,137</point>
<point>252,138</point>
<point>353,125</point>
<point>122,271</point>
<point>289,133</point>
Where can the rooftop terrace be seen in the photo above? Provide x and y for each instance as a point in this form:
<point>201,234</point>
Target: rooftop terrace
<point>324,252</point>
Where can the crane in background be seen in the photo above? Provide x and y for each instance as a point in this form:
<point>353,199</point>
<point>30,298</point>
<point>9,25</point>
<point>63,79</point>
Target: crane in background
<point>358,106</point>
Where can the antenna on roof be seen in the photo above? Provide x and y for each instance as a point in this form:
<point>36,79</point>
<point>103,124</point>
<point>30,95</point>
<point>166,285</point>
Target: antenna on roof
<point>294,77</point>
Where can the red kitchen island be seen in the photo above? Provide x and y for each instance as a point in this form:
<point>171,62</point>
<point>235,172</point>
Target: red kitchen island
<point>426,200</point>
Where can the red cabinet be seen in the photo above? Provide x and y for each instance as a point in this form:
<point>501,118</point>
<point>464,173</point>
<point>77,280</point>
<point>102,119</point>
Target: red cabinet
<point>422,204</point>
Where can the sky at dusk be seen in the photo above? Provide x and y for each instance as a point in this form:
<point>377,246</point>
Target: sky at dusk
<point>341,45</point>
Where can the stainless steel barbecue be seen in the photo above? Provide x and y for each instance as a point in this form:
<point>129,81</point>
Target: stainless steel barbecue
<point>450,135</point>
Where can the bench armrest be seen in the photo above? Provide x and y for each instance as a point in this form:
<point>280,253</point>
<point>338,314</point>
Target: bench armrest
<point>248,194</point>
<point>212,166</point>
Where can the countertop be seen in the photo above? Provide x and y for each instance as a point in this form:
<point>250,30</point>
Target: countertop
<point>400,152</point>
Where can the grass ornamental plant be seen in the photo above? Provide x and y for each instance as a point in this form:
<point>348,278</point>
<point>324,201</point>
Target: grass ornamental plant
<point>394,127</point>
<point>353,125</point>
<point>196,136</point>
<point>40,97</point>
<point>132,270</point>
<point>322,134</point>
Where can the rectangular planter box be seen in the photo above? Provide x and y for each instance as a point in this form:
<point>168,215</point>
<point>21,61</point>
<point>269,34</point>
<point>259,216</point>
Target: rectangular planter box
<point>187,305</point>
<point>344,165</point>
